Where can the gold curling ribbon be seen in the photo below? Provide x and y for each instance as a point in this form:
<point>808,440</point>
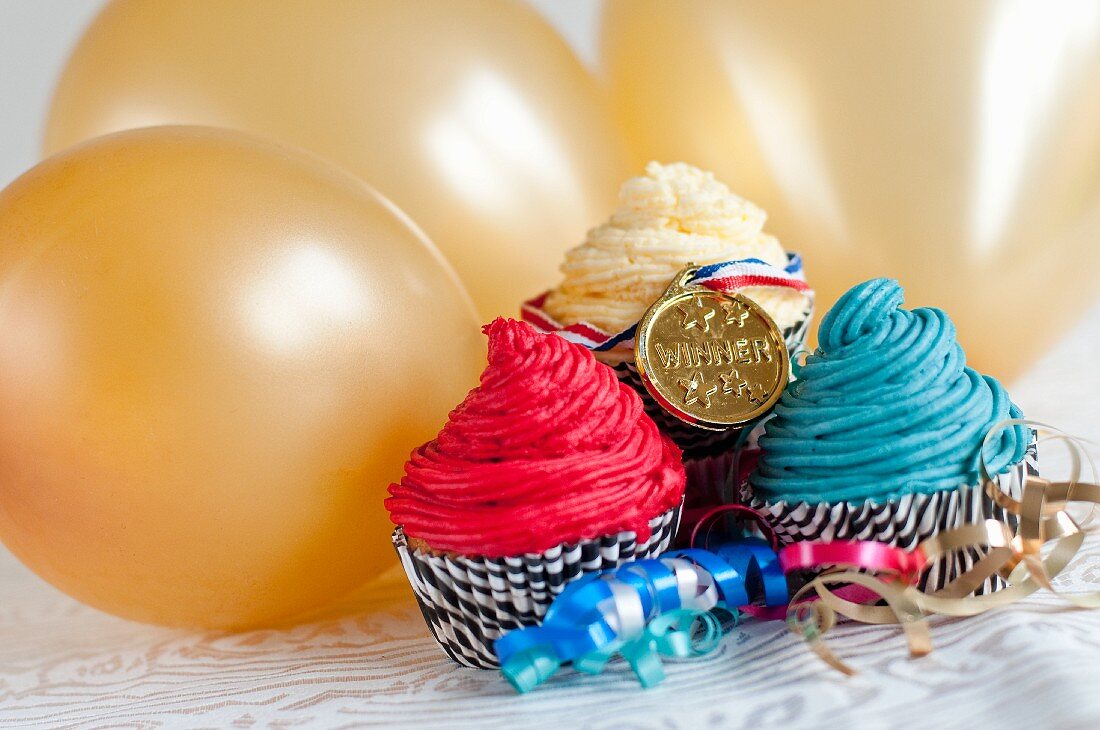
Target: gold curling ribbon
<point>1044,518</point>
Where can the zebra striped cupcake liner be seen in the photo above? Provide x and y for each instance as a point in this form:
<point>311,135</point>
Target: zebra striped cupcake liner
<point>904,522</point>
<point>470,602</point>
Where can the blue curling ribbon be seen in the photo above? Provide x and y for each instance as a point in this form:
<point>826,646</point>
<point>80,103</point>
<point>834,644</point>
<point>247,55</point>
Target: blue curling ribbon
<point>643,611</point>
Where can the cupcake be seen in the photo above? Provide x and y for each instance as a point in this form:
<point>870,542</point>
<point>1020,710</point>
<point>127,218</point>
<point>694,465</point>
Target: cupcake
<point>548,470</point>
<point>879,438</point>
<point>671,217</point>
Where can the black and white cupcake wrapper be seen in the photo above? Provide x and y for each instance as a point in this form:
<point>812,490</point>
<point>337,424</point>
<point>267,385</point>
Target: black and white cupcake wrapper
<point>904,522</point>
<point>469,602</point>
<point>711,480</point>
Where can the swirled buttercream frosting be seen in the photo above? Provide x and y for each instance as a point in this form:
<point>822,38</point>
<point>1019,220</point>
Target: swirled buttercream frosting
<point>550,448</point>
<point>886,406</point>
<point>671,216</point>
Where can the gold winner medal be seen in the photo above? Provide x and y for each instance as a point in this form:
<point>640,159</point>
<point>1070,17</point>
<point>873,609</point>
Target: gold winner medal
<point>713,360</point>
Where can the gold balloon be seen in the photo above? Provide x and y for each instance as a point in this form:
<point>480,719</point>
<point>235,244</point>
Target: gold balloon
<point>215,355</point>
<point>471,115</point>
<point>955,146</point>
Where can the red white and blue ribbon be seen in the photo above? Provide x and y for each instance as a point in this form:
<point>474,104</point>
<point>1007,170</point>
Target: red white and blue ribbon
<point>728,277</point>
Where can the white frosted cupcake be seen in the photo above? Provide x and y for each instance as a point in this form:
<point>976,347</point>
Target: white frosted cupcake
<point>674,216</point>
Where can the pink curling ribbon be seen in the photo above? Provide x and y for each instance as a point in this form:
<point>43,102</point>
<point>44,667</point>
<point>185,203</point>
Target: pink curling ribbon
<point>865,554</point>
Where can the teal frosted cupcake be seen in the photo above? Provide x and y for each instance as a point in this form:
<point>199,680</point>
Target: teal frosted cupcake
<point>879,437</point>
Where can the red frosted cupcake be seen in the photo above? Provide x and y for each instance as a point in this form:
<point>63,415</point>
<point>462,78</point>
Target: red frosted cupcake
<point>550,469</point>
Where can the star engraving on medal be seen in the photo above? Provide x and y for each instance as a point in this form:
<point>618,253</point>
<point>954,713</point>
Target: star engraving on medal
<point>736,313</point>
<point>733,384</point>
<point>698,316</point>
<point>695,390</point>
<point>757,396</point>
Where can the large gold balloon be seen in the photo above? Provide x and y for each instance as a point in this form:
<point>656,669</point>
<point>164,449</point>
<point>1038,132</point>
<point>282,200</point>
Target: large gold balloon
<point>955,146</point>
<point>215,354</point>
<point>471,115</point>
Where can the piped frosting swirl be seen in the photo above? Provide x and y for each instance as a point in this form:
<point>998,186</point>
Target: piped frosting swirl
<point>886,406</point>
<point>550,448</point>
<point>670,217</point>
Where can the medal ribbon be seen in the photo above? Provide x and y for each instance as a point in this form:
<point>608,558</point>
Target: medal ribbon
<point>728,277</point>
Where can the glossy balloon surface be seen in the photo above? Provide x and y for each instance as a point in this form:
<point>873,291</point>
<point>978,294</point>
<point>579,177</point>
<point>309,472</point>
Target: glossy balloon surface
<point>471,115</point>
<point>955,146</point>
<point>215,355</point>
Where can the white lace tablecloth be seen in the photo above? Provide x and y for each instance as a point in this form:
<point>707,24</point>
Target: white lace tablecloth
<point>370,661</point>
